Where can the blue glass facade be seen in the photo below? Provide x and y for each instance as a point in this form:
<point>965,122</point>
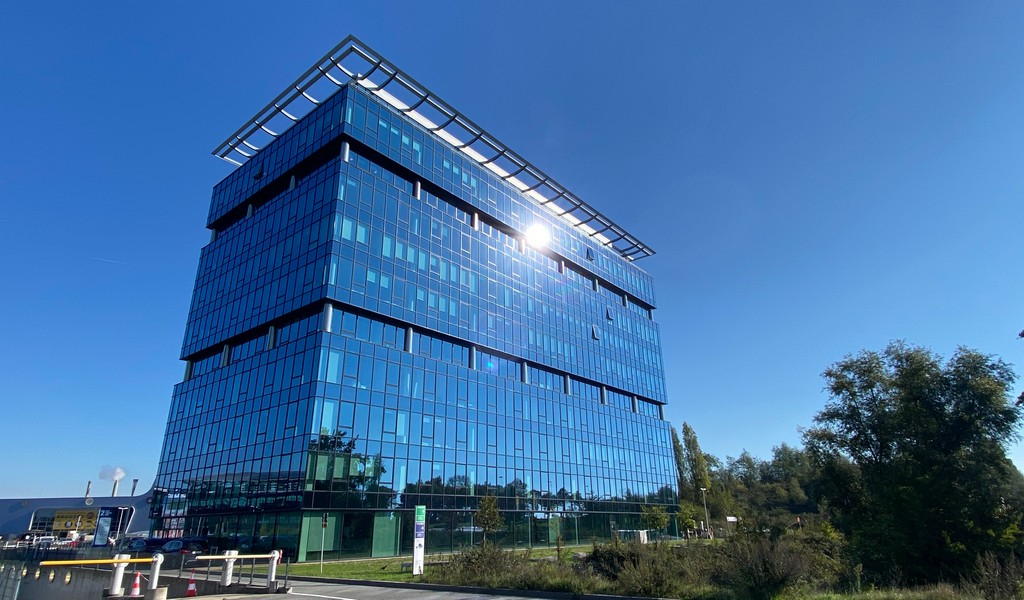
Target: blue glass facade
<point>369,331</point>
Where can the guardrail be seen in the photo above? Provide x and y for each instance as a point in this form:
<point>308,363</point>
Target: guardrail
<point>121,561</point>
<point>229,557</point>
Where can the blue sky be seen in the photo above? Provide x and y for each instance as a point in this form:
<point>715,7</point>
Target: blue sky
<point>816,178</point>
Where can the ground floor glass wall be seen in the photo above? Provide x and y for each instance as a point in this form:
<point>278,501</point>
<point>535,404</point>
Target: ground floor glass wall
<point>366,534</point>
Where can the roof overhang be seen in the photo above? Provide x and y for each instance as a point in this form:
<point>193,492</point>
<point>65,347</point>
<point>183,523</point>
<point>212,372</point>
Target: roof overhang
<point>354,61</point>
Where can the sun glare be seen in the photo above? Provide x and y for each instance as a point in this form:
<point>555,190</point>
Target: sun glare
<point>538,236</point>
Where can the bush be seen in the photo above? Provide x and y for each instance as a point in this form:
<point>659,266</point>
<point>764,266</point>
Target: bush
<point>997,579</point>
<point>655,570</point>
<point>648,578</point>
<point>608,560</point>
<point>486,565</point>
<point>743,567</point>
<point>761,569</point>
<point>489,566</point>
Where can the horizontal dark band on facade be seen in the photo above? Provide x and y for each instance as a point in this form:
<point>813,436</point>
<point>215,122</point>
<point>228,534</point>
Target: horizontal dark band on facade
<point>224,354</point>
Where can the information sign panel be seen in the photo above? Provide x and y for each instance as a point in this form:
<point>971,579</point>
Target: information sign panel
<point>419,543</point>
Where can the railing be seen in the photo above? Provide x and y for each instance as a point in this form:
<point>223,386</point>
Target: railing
<point>121,561</point>
<point>229,558</point>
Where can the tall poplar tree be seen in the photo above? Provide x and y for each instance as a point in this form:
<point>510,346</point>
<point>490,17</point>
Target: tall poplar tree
<point>696,463</point>
<point>683,479</point>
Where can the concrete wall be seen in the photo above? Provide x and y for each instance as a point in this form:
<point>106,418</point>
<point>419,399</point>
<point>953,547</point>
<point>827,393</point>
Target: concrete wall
<point>89,583</point>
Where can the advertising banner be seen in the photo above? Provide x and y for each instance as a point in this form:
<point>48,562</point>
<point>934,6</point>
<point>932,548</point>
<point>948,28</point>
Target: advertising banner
<point>75,520</point>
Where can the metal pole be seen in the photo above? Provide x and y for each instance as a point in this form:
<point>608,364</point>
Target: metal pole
<point>711,530</point>
<point>229,568</point>
<point>272,569</point>
<point>116,589</point>
<point>323,536</point>
<point>154,571</point>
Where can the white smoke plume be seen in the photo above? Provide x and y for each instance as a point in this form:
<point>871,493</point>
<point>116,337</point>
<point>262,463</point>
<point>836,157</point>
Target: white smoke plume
<point>112,473</point>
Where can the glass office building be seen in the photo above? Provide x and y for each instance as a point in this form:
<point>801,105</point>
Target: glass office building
<point>395,310</point>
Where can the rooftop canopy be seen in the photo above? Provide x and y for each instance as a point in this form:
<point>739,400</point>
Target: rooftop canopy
<point>354,61</point>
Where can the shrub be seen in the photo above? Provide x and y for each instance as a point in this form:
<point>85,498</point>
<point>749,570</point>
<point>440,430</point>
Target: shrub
<point>608,560</point>
<point>489,566</point>
<point>486,565</point>
<point>997,579</point>
<point>761,569</point>
<point>647,578</point>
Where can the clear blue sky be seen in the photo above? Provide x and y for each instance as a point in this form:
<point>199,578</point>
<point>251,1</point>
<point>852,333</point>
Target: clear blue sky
<point>817,178</point>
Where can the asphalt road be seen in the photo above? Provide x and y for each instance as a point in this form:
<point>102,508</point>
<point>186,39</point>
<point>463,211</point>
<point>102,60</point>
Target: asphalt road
<point>337,591</point>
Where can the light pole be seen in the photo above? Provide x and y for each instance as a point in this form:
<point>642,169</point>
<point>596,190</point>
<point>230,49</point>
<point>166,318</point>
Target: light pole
<point>120,523</point>
<point>704,494</point>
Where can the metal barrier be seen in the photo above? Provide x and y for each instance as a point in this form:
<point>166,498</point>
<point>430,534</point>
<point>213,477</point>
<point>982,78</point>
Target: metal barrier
<point>229,557</point>
<point>120,561</point>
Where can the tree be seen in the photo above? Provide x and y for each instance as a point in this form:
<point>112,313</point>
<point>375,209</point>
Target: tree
<point>696,462</point>
<point>688,515</point>
<point>487,516</point>
<point>682,477</point>
<point>653,517</point>
<point>913,458</point>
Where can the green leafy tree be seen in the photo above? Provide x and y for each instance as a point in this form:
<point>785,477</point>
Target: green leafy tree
<point>696,463</point>
<point>688,515</point>
<point>487,516</point>
<point>653,517</point>
<point>683,479</point>
<point>913,458</point>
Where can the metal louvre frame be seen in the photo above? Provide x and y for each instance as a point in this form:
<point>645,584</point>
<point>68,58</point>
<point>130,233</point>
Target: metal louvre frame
<point>352,60</point>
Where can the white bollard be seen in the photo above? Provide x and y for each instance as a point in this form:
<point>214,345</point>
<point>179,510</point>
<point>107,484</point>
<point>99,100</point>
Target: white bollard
<point>154,570</point>
<point>272,569</point>
<point>229,567</point>
<point>118,574</point>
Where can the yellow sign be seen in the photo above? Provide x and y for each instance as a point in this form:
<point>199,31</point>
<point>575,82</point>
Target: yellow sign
<point>71,520</point>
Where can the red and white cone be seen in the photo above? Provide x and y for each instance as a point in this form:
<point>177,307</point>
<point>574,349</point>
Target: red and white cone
<point>137,586</point>
<point>190,591</point>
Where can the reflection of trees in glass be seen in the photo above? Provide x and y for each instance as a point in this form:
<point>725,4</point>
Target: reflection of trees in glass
<point>333,442</point>
<point>516,498</point>
<point>353,479</point>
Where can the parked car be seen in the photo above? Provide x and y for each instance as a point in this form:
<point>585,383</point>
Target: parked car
<point>179,552</point>
<point>143,545</point>
<point>184,546</point>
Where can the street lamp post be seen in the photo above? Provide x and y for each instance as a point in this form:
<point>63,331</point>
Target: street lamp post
<point>704,494</point>
<point>120,523</point>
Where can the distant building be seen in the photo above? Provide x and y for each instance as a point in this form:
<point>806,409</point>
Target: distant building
<point>115,516</point>
<point>394,309</point>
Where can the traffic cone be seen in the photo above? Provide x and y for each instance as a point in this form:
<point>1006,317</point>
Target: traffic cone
<point>190,591</point>
<point>137,586</point>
